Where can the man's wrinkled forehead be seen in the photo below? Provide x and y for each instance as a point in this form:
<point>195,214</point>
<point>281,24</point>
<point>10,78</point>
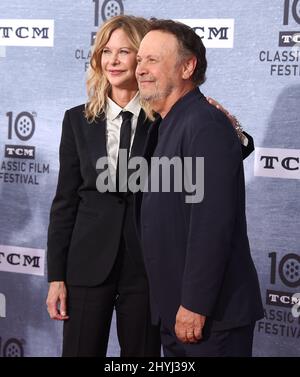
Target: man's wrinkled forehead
<point>158,42</point>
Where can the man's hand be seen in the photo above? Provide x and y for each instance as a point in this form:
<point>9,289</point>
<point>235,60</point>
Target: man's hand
<point>235,123</point>
<point>57,301</point>
<point>189,325</point>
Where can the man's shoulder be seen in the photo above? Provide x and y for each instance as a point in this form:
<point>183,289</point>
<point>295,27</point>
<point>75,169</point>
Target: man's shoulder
<point>202,118</point>
<point>201,109</point>
<point>200,113</point>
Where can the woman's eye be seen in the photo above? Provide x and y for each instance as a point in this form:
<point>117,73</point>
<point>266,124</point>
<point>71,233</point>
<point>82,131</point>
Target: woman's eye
<point>125,52</point>
<point>105,51</point>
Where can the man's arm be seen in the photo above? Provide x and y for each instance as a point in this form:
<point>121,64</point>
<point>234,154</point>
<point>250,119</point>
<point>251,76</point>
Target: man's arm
<point>213,220</point>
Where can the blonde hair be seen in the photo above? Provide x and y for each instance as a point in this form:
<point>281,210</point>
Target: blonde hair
<point>98,87</point>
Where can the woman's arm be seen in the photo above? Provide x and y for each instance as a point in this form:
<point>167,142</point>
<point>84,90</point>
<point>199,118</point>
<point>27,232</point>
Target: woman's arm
<point>247,142</point>
<point>62,219</point>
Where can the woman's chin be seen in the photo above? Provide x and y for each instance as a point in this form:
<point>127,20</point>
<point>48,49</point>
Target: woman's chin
<point>124,84</point>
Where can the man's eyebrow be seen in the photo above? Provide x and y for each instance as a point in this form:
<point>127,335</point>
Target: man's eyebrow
<point>148,56</point>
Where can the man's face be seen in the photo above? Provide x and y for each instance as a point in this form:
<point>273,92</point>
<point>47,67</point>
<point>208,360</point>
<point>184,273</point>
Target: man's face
<point>158,72</point>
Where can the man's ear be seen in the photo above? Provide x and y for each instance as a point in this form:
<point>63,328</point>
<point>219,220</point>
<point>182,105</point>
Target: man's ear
<point>189,67</point>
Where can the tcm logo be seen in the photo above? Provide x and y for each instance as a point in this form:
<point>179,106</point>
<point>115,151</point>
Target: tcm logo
<point>287,270</point>
<point>22,260</point>
<point>2,306</point>
<point>289,38</point>
<point>277,163</point>
<point>21,125</point>
<point>291,13</point>
<point>19,151</point>
<point>215,33</point>
<point>34,33</point>
<point>284,299</point>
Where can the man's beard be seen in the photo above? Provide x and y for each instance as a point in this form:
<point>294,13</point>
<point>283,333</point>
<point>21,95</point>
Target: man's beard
<point>157,95</point>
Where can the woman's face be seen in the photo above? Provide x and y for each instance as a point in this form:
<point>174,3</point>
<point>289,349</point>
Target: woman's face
<point>118,61</point>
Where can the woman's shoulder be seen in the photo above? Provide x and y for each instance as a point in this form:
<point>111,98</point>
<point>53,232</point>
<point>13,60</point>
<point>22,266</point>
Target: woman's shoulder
<point>77,110</point>
<point>76,116</point>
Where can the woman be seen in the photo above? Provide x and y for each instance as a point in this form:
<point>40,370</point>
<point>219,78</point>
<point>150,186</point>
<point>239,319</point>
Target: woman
<point>94,257</point>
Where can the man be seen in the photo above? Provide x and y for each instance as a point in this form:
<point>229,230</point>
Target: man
<point>203,282</point>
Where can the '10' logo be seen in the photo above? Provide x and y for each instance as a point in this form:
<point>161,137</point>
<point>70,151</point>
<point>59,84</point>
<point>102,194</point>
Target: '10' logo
<point>288,269</point>
<point>24,125</point>
<point>295,7</point>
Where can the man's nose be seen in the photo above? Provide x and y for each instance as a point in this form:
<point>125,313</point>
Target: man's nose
<point>140,69</point>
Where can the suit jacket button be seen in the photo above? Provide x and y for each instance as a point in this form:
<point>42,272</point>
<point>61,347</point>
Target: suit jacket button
<point>120,201</point>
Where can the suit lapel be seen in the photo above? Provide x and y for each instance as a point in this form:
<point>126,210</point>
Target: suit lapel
<point>152,139</point>
<point>150,145</point>
<point>142,128</point>
<point>96,140</point>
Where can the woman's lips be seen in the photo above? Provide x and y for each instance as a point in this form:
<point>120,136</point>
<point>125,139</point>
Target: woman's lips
<point>115,72</point>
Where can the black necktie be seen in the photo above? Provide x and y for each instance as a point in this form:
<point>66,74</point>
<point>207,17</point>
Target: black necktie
<point>125,138</point>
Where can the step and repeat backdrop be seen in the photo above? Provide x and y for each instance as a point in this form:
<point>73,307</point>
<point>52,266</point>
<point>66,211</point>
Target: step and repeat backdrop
<point>253,50</point>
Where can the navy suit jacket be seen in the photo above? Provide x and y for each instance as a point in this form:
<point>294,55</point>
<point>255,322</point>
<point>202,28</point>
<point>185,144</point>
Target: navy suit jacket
<point>197,255</point>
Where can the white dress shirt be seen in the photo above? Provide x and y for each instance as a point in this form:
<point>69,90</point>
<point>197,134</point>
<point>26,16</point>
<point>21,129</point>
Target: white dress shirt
<point>113,128</point>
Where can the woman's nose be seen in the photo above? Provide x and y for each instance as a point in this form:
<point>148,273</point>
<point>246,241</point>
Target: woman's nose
<point>115,59</point>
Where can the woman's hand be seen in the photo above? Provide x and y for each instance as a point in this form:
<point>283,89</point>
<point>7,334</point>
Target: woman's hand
<point>235,123</point>
<point>57,301</point>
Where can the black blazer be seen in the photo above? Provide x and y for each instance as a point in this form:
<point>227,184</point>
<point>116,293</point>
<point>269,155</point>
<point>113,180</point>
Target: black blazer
<point>197,255</point>
<point>86,226</point>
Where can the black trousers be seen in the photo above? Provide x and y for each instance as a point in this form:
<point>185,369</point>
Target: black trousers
<point>236,342</point>
<point>90,310</point>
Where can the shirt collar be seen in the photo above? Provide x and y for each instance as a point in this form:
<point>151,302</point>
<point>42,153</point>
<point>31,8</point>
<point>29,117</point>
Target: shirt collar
<point>113,110</point>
